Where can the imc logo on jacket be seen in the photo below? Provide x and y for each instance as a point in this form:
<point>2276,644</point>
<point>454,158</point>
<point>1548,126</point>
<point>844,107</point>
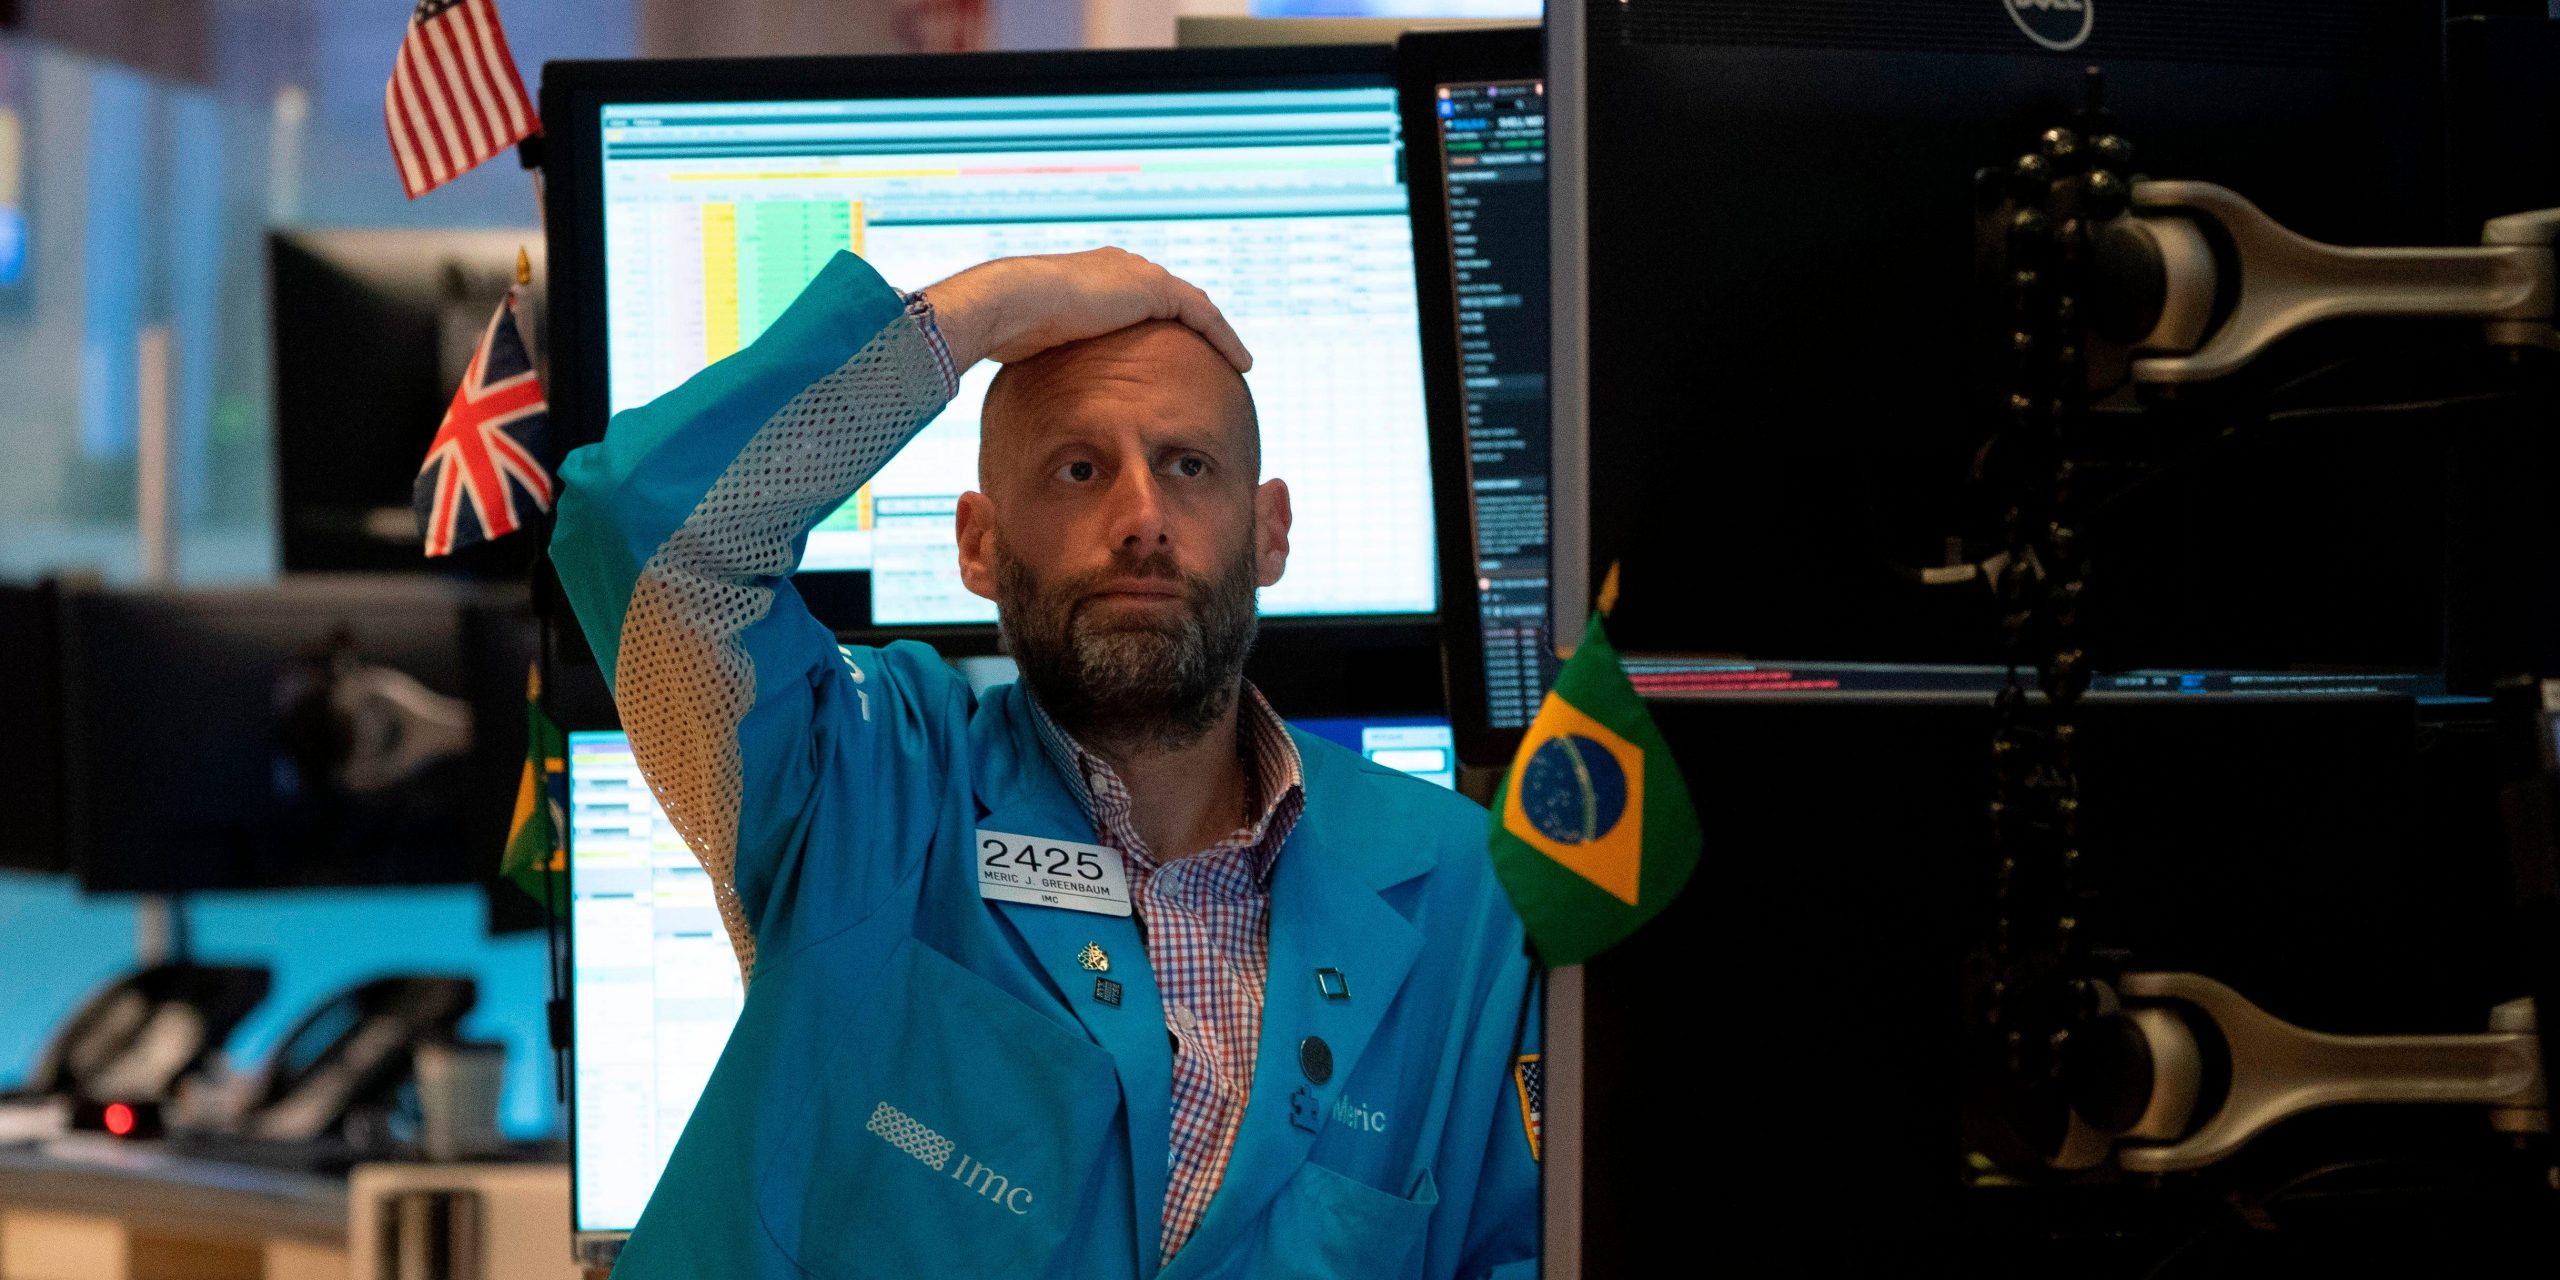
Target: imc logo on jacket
<point>934,1151</point>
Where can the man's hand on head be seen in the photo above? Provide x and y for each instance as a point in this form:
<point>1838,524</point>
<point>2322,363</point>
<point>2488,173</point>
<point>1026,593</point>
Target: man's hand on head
<point>1016,308</point>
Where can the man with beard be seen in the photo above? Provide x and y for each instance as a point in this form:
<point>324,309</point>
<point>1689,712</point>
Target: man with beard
<point>1109,972</point>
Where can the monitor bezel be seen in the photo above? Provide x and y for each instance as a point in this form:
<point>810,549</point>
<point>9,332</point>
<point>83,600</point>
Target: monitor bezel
<point>572,164</point>
<point>1424,62</point>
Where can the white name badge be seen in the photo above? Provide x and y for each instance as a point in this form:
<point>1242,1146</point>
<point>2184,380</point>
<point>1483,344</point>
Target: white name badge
<point>1052,873</point>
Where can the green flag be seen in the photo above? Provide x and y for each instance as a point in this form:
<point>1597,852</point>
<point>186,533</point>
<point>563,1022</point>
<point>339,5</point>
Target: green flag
<point>534,848</point>
<point>1593,832</point>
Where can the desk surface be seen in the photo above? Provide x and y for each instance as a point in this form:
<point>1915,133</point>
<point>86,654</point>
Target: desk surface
<point>171,1194</point>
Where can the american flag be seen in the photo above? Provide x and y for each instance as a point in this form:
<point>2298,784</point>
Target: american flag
<point>454,98</point>
<point>487,456</point>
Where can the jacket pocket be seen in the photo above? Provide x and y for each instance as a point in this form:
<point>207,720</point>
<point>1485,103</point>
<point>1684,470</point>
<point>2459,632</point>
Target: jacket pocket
<point>1326,1225</point>
<point>952,1130</point>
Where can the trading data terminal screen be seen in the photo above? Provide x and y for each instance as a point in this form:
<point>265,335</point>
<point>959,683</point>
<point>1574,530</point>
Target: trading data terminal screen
<point>1286,205</point>
<point>1493,142</point>
<point>654,984</point>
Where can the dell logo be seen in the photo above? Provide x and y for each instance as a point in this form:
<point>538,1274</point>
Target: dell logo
<point>2056,24</point>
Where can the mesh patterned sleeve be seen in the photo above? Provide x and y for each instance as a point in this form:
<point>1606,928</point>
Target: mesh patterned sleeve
<point>676,538</point>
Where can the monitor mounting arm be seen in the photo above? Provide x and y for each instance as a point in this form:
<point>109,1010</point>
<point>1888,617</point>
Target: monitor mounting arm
<point>2140,1078</point>
<point>2162,282</point>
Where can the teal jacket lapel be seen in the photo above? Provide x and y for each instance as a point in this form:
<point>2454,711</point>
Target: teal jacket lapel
<point>1020,792</point>
<point>1326,913</point>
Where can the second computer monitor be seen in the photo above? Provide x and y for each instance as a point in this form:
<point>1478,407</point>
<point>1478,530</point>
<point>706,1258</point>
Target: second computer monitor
<point>704,196</point>
<point>1475,113</point>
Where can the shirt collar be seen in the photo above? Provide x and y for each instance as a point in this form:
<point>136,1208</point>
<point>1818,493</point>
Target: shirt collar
<point>1274,779</point>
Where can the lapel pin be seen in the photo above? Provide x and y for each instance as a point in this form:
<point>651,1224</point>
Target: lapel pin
<point>1315,1057</point>
<point>1107,991</point>
<point>1330,983</point>
<point>1093,958</point>
<point>1304,1111</point>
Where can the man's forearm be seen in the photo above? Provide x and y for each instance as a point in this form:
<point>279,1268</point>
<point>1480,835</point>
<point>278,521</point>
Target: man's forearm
<point>1015,308</point>
<point>643,493</point>
<point>674,529</point>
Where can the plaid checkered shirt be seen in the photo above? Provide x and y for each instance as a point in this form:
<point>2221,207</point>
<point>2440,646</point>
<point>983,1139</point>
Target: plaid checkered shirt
<point>1207,923</point>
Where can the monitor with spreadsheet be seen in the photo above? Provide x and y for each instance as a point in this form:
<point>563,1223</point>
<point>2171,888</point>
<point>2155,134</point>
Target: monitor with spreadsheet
<point>1475,107</point>
<point>654,986</point>
<point>706,195</point>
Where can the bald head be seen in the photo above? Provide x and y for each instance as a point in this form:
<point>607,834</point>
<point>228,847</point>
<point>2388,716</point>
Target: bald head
<point>1121,527</point>
<point>1157,367</point>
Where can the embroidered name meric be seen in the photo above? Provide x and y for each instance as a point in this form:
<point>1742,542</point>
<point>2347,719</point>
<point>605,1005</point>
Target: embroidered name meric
<point>1358,1118</point>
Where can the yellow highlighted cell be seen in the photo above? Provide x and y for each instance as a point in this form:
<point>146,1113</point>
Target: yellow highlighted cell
<point>719,281</point>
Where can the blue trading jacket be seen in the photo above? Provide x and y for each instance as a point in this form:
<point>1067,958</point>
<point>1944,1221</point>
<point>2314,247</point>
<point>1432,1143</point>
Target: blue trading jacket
<point>923,1082</point>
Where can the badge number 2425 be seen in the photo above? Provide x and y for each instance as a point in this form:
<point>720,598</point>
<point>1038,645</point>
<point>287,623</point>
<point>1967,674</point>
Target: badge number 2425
<point>1035,859</point>
<point>1052,873</point>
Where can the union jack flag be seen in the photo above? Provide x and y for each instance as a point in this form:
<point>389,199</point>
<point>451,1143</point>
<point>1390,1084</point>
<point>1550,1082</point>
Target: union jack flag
<point>487,456</point>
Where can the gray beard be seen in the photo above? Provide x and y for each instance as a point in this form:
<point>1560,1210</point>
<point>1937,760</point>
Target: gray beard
<point>1137,687</point>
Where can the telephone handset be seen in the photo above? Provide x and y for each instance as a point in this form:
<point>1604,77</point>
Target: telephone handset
<point>141,1034</point>
<point>338,1072</point>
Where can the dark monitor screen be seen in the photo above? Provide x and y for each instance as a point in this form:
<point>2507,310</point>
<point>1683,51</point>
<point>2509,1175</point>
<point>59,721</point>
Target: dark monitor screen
<point>331,731</point>
<point>1775,392</point>
<point>701,197</point>
<point>1480,243</point>
<point>2272,846</point>
<point>372,330</point>
<point>31,776</point>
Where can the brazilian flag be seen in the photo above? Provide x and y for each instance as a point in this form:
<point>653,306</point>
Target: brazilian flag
<point>1593,833</point>
<point>534,850</point>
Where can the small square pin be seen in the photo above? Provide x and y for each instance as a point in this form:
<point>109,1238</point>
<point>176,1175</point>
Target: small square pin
<point>1330,982</point>
<point>1305,1112</point>
<point>1107,991</point>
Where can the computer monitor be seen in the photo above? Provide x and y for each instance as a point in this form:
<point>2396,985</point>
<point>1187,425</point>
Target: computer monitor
<point>371,330</point>
<point>1418,745</point>
<point>2270,845</point>
<point>31,773</point>
<point>1776,369</point>
<point>1474,107</point>
<point>326,730</point>
<point>691,201</point>
<point>655,985</point>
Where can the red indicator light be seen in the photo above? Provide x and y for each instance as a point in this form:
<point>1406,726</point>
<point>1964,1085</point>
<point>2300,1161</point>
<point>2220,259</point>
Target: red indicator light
<point>119,1119</point>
